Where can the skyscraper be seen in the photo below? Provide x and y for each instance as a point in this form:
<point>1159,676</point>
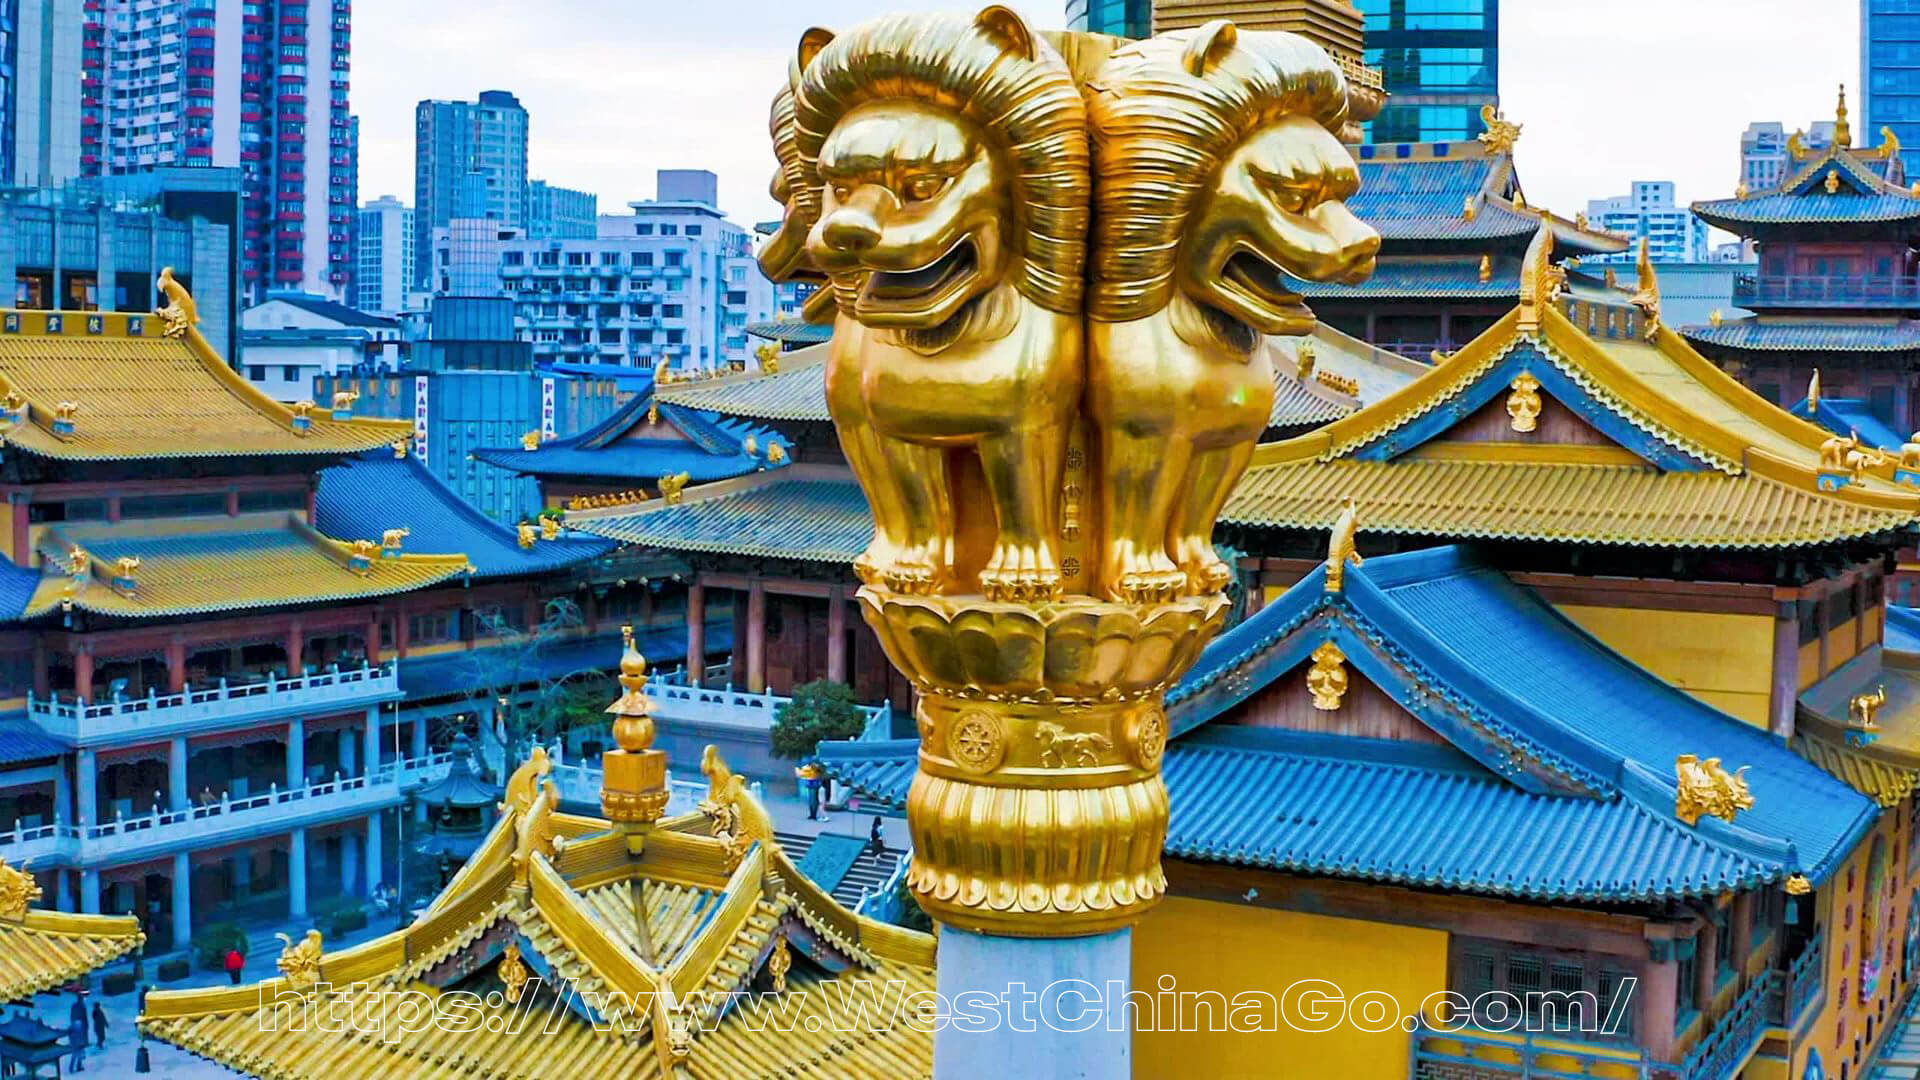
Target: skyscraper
<point>1890,66</point>
<point>557,213</point>
<point>1124,18</point>
<point>104,88</point>
<point>1334,25</point>
<point>1441,63</point>
<point>384,256</point>
<point>453,138</point>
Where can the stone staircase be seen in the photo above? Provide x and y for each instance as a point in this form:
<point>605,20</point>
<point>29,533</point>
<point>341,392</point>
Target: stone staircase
<point>869,871</point>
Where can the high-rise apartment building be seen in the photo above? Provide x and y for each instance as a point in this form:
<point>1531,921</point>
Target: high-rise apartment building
<point>106,88</point>
<point>487,136</point>
<point>1440,60</point>
<point>557,213</point>
<point>384,256</point>
<point>1672,233</point>
<point>674,283</point>
<point>1763,150</point>
<point>1890,67</point>
<point>1122,18</point>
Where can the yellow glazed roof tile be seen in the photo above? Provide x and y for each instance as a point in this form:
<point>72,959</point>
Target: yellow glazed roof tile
<point>44,949</point>
<point>138,394</point>
<point>218,564</point>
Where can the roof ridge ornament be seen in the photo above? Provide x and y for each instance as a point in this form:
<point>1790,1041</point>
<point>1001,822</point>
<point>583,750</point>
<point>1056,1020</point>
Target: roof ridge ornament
<point>1842,130</point>
<point>1340,547</point>
<point>1486,269</point>
<point>1501,133</point>
<point>1540,280</point>
<point>1647,296</point>
<point>1813,392</point>
<point>299,962</point>
<point>1707,789</point>
<point>1832,183</point>
<point>181,313</point>
<point>63,413</point>
<point>1327,679</point>
<point>18,890</point>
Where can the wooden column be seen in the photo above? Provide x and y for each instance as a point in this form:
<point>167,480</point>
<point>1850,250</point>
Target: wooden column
<point>22,515</point>
<point>233,502</point>
<point>42,684</point>
<point>401,631</point>
<point>1657,1002</point>
<point>296,648</point>
<point>696,634</point>
<point>1740,922</point>
<point>1704,975</point>
<point>176,666</point>
<point>756,637</point>
<point>83,671</point>
<point>372,638</point>
<point>1785,692</point>
<point>837,634</point>
<point>1860,641</point>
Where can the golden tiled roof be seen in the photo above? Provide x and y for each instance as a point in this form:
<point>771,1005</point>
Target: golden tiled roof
<point>1756,484</point>
<point>218,564</point>
<point>1885,763</point>
<point>798,391</point>
<point>665,921</point>
<point>44,949</point>
<point>139,394</point>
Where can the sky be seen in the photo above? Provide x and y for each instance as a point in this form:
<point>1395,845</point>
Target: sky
<point>1608,92</point>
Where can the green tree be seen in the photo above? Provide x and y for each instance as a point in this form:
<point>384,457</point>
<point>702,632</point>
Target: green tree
<point>819,711</point>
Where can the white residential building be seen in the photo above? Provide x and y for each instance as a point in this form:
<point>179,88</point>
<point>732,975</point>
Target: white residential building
<point>1673,233</point>
<point>383,254</point>
<point>673,282</point>
<point>288,339</point>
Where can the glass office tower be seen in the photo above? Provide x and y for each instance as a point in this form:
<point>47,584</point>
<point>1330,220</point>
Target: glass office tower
<point>1441,63</point>
<point>1127,18</point>
<point>1890,65</point>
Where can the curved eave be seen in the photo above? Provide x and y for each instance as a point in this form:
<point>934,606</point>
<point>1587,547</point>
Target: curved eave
<point>45,949</point>
<point>1755,337</point>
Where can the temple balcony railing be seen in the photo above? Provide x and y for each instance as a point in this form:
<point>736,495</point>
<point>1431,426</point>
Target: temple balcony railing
<point>1825,290</point>
<point>1414,350</point>
<point>882,903</point>
<point>1475,1054</point>
<point>272,811</point>
<point>88,723</point>
<point>740,708</point>
<point>1799,987</point>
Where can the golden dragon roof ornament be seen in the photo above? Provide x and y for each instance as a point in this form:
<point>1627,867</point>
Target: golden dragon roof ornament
<point>1501,133</point>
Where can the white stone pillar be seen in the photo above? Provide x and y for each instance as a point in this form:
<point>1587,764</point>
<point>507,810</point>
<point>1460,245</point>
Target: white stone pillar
<point>85,774</point>
<point>373,739</point>
<point>297,875</point>
<point>296,754</point>
<point>177,773</point>
<point>182,899</point>
<point>373,852</point>
<point>1054,998</point>
<point>90,891</point>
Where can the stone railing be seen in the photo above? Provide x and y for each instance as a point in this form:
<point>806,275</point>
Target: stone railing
<point>726,705</point>
<point>882,903</point>
<point>580,783</point>
<point>87,722</point>
<point>218,822</point>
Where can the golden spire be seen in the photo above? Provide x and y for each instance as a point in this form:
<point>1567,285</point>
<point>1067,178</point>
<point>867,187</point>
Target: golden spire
<point>634,786</point>
<point>1813,392</point>
<point>1486,269</point>
<point>1647,296</point>
<point>1842,132</point>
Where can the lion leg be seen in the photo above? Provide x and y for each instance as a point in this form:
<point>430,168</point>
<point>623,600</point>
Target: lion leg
<point>1023,470</point>
<point>1214,474</point>
<point>1142,479</point>
<point>922,559</point>
<point>862,447</point>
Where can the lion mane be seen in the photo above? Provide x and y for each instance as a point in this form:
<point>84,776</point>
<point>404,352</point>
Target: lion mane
<point>1165,112</point>
<point>1015,88</point>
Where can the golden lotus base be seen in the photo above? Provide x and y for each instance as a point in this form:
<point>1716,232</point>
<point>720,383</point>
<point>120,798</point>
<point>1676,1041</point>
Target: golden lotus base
<point>1038,810</point>
<point>1025,862</point>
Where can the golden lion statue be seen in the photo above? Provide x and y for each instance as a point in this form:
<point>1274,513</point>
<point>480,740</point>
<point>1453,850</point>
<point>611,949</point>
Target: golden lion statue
<point>952,160</point>
<point>1220,176</point>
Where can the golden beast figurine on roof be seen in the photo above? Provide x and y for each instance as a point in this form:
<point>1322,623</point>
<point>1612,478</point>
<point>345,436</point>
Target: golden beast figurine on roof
<point>1051,262</point>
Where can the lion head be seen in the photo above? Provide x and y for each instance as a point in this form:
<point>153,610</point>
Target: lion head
<point>1221,175</point>
<point>952,156</point>
<point>795,186</point>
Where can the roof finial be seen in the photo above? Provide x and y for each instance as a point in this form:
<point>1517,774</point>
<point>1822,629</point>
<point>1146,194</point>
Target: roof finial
<point>633,789</point>
<point>1340,549</point>
<point>1501,133</point>
<point>181,313</point>
<point>1813,392</point>
<point>1647,296</point>
<point>1540,280</point>
<point>1842,133</point>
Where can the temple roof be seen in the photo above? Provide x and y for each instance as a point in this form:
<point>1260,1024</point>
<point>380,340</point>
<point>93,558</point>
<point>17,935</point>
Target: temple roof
<point>194,565</point>
<point>1534,732</point>
<point>41,950</point>
<point>1655,446</point>
<point>1851,416</point>
<point>1868,189</point>
<point>142,395</point>
<point>792,331</point>
<point>1454,277</point>
<point>640,442</point>
<point>366,495</point>
<point>1852,335</point>
<point>625,933</point>
<point>1885,762</point>
<point>1420,191</point>
<point>798,391</point>
<point>809,512</point>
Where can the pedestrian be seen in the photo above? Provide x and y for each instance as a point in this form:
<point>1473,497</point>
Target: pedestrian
<point>810,779</point>
<point>99,1026</point>
<point>878,836</point>
<point>236,963</point>
<point>77,1035</point>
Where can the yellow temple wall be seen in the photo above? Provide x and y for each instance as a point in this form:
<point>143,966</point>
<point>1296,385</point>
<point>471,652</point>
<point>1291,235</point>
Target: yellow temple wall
<point>1725,660</point>
<point>1841,903</point>
<point>1231,948</point>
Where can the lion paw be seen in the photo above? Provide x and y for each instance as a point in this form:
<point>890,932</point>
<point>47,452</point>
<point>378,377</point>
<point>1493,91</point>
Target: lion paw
<point>1205,573</point>
<point>1146,579</point>
<point>867,567</point>
<point>1021,573</point>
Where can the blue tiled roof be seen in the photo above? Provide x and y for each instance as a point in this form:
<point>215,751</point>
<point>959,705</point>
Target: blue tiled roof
<point>630,378</point>
<point>1441,277</point>
<point>792,513</point>
<point>792,331</point>
<point>1424,199</point>
<point>21,741</point>
<point>1789,208</point>
<point>714,448</point>
<point>1846,416</point>
<point>368,494</point>
<point>1903,628</point>
<point>1856,336</point>
<point>1501,676</point>
<point>17,584</point>
<point>452,673</point>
